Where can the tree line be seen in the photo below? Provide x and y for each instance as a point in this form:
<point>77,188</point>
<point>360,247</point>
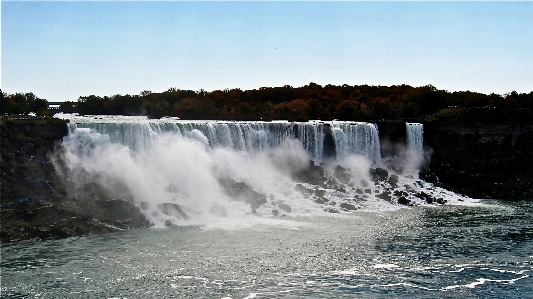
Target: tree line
<point>313,101</point>
<point>22,104</point>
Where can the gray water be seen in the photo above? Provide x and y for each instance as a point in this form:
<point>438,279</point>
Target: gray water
<point>483,251</point>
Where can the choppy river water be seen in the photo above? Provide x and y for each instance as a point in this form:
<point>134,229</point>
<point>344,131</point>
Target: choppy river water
<point>483,251</point>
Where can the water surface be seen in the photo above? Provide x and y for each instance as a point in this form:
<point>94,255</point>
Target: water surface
<point>481,251</point>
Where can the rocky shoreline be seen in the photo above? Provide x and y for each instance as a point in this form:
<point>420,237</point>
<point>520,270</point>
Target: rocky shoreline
<point>489,161</point>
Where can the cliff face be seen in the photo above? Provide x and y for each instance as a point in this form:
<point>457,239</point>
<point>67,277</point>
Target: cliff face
<point>33,201</point>
<point>26,169</point>
<point>489,160</point>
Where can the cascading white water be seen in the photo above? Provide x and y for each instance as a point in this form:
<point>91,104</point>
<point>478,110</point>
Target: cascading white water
<point>350,137</point>
<point>357,138</point>
<point>415,147</point>
<point>205,172</point>
<point>415,137</point>
<point>244,136</point>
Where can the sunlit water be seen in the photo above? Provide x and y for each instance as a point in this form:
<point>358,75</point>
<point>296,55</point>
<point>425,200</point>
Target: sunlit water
<point>483,251</point>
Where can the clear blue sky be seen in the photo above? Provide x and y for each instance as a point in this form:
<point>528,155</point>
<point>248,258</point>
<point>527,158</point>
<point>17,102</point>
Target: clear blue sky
<point>63,50</point>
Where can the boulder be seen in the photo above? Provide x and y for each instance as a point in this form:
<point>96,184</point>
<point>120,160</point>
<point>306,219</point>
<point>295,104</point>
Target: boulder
<point>321,200</point>
<point>341,174</point>
<point>172,209</point>
<point>385,196</point>
<point>393,180</point>
<point>243,192</point>
<point>284,207</point>
<point>379,174</point>
<point>320,192</point>
<point>425,196</point>
<point>404,201</point>
<point>347,206</point>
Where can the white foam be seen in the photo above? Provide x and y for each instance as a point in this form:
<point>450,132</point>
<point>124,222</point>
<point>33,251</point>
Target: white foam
<point>386,266</point>
<point>481,281</point>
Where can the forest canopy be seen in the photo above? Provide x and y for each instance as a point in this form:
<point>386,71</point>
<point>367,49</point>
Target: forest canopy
<point>312,101</point>
<point>22,103</point>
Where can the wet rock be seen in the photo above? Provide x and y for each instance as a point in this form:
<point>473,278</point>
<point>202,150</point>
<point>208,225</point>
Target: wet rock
<point>430,177</point>
<point>341,174</point>
<point>331,210</point>
<point>441,201</point>
<point>284,207</point>
<point>172,209</point>
<point>393,180</point>
<point>400,193</point>
<point>302,189</point>
<point>313,174</point>
<point>321,200</point>
<point>64,219</point>
<point>347,207</point>
<point>359,191</point>
<point>425,196</point>
<point>359,198</point>
<point>275,212</point>
<point>379,174</point>
<point>243,192</point>
<point>385,196</point>
<point>111,210</point>
<point>320,192</point>
<point>368,191</point>
<point>331,182</point>
<point>404,201</point>
<point>340,189</point>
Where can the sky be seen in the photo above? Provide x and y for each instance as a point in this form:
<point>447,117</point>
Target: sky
<point>67,49</point>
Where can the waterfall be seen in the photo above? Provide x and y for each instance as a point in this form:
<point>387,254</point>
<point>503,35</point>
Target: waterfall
<point>350,137</point>
<point>415,137</point>
<point>206,172</point>
<point>357,138</point>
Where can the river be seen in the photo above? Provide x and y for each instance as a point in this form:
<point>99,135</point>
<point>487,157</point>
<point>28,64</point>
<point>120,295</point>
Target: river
<point>483,251</point>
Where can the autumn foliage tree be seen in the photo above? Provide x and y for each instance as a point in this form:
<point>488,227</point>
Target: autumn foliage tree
<point>313,101</point>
